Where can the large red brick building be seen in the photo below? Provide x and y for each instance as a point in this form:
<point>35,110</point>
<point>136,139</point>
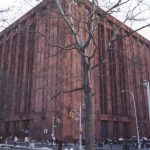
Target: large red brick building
<point>30,79</point>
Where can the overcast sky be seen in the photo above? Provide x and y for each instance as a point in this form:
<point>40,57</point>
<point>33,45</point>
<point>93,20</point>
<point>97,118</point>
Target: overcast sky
<point>20,7</point>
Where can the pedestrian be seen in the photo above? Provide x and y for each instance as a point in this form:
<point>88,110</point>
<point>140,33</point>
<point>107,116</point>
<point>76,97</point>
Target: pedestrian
<point>59,144</point>
<point>144,143</point>
<point>65,142</point>
<point>53,140</point>
<point>6,141</point>
<point>106,142</point>
<point>26,132</point>
<point>100,144</point>
<point>15,140</point>
<point>26,140</point>
<point>126,146</point>
<point>1,139</point>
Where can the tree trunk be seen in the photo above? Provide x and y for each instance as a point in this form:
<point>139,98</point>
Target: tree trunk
<point>89,119</point>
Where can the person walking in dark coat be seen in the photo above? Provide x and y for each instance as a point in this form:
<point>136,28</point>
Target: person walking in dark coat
<point>126,146</point>
<point>1,139</point>
<point>59,144</point>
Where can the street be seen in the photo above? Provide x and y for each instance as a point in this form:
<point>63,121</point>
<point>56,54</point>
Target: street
<point>41,146</point>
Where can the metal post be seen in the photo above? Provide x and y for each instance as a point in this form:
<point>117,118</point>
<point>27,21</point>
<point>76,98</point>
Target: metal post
<point>136,121</point>
<point>148,95</point>
<point>80,128</point>
<point>53,129</point>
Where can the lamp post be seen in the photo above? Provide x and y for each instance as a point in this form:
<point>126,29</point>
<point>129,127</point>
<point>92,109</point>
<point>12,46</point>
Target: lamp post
<point>80,127</point>
<point>79,118</point>
<point>135,113</point>
<point>53,129</point>
<point>146,83</point>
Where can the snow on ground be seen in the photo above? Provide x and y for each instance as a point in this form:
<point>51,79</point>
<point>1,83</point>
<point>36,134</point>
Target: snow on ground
<point>45,148</point>
<point>33,148</point>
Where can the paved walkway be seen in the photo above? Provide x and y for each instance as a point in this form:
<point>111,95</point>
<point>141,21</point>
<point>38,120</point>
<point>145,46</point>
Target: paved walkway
<point>49,147</point>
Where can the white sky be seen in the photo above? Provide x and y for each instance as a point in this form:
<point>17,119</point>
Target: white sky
<point>20,7</point>
<point>17,7</point>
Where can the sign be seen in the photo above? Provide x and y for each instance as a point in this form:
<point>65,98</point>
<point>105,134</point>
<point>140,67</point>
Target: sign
<point>45,131</point>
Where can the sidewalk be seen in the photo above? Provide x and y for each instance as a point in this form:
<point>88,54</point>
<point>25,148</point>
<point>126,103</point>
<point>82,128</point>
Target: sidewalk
<point>12,147</point>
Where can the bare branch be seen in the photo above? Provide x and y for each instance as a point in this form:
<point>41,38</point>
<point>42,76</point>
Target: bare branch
<point>65,91</point>
<point>116,5</point>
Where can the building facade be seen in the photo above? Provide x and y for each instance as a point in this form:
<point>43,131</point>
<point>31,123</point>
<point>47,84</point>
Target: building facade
<point>32,80</point>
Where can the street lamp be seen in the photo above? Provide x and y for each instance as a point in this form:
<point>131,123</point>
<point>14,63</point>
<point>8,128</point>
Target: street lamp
<point>53,129</point>
<point>135,113</point>
<point>146,83</point>
<point>80,125</point>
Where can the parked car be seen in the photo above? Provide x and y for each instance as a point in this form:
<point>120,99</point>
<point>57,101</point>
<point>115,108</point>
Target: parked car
<point>121,140</point>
